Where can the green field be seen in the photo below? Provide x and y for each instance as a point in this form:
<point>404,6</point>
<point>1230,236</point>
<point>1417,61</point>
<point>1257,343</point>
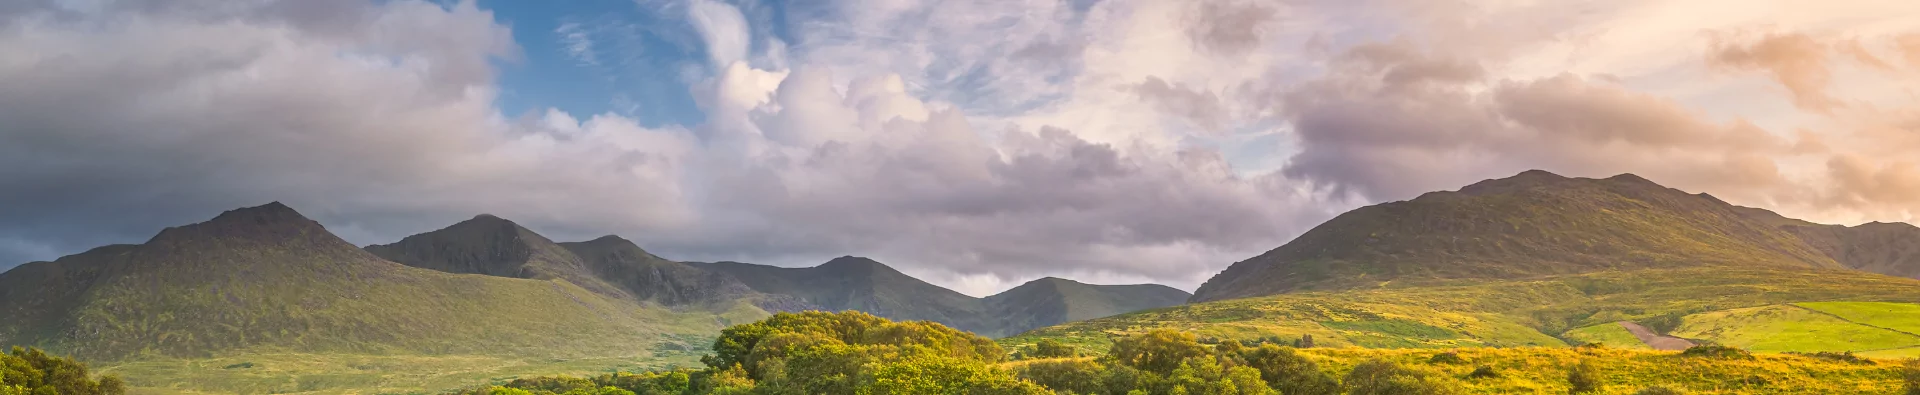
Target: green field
<point>360,374</point>
<point>1531,312</point>
<point>1609,334</point>
<point>1779,328</point>
<point>1901,317</point>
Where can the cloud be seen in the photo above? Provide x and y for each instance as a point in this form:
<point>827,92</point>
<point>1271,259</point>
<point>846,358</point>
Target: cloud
<point>578,43</point>
<point>978,144</point>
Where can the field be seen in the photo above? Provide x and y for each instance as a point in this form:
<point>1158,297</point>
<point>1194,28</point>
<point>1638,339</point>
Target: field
<point>1609,334</point>
<point>1780,328</point>
<point>361,374</point>
<point>1544,370</point>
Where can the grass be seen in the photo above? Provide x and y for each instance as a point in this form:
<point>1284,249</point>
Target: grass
<point>1515,313</point>
<point>1780,328</point>
<point>1611,335</point>
<point>361,374</point>
<point>1544,370</point>
<point>1902,317</point>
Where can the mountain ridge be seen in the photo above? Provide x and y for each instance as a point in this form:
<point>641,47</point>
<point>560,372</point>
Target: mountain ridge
<point>1535,223</point>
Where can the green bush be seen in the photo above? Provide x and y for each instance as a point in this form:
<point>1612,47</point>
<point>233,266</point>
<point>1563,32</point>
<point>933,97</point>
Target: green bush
<point>1717,352</point>
<point>1584,378</point>
<point>1446,358</point>
<point>32,371</point>
<point>1378,377</point>
<point>1910,376</point>
<point>1289,372</point>
<point>1049,348</point>
<point>1483,372</point>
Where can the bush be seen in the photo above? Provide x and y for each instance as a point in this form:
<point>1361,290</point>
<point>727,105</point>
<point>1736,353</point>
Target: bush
<point>1483,372</point>
<point>1288,371</point>
<point>1160,351</point>
<point>1377,377</point>
<point>1049,348</point>
<point>1910,375</point>
<point>1583,378</point>
<point>1657,390</point>
<point>1446,358</point>
<point>1847,357</point>
<point>1716,351</point>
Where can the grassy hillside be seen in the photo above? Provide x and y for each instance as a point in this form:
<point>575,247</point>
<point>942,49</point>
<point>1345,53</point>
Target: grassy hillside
<point>265,279</point>
<point>1542,312</point>
<point>1530,225</point>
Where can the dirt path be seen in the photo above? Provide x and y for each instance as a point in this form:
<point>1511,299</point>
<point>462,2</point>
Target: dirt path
<point>1655,339</point>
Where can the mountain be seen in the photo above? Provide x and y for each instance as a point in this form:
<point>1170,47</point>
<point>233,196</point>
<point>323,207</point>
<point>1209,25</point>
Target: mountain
<point>648,277</point>
<point>494,246</point>
<point>1049,301</point>
<point>267,279</point>
<point>854,283</point>
<point>1530,225</point>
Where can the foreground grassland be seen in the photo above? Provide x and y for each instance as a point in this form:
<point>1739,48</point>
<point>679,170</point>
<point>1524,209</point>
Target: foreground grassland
<point>1545,370</point>
<point>359,374</point>
<point>1547,312</point>
<point>1609,334</point>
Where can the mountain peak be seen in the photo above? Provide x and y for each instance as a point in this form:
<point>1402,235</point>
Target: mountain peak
<point>268,221</point>
<point>854,262</point>
<point>1524,180</point>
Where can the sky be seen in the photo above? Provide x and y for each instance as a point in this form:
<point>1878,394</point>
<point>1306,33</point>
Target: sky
<point>974,144</point>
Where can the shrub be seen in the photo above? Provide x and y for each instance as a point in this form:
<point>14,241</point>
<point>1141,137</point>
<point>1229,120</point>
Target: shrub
<point>1847,357</point>
<point>1049,348</point>
<point>1160,351</point>
<point>1288,371</point>
<point>1583,378</point>
<point>1657,390</point>
<point>1716,351</point>
<point>1483,372</point>
<point>1910,375</point>
<point>1446,358</point>
<point>1378,377</point>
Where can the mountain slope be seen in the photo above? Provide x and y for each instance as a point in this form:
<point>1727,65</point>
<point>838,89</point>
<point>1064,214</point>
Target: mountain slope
<point>1880,247</point>
<point>647,277</point>
<point>266,278</point>
<point>1533,224</point>
<point>497,247</point>
<point>1050,301</point>
<point>852,283</point>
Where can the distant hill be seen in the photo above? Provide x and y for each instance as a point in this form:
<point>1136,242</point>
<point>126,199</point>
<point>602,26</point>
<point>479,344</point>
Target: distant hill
<point>1050,301</point>
<point>854,283</point>
<point>1880,247</point>
<point>266,278</point>
<point>1529,225</point>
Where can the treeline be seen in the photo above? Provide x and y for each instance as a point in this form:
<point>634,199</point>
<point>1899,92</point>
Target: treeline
<point>857,353</point>
<point>28,371</point>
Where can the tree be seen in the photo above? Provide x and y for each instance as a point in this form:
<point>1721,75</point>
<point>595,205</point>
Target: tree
<point>1306,341</point>
<point>1076,376</point>
<point>1160,351</point>
<point>1049,348</point>
<point>1289,372</point>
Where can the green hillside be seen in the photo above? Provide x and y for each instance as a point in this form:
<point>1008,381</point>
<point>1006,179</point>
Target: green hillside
<point>1553,311</point>
<point>494,246</point>
<point>1530,225</point>
<point>267,279</point>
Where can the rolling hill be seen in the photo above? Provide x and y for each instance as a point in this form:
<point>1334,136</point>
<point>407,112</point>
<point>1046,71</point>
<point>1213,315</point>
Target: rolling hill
<point>854,283</point>
<point>1530,225</point>
<point>1544,260</point>
<point>1053,300</point>
<point>266,279</point>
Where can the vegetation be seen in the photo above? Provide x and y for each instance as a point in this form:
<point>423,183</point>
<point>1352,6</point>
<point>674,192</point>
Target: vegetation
<point>1545,312</point>
<point>25,371</point>
<point>856,353</point>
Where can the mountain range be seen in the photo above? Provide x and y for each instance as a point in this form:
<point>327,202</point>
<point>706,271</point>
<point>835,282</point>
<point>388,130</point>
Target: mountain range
<point>266,278</point>
<point>1538,224</point>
